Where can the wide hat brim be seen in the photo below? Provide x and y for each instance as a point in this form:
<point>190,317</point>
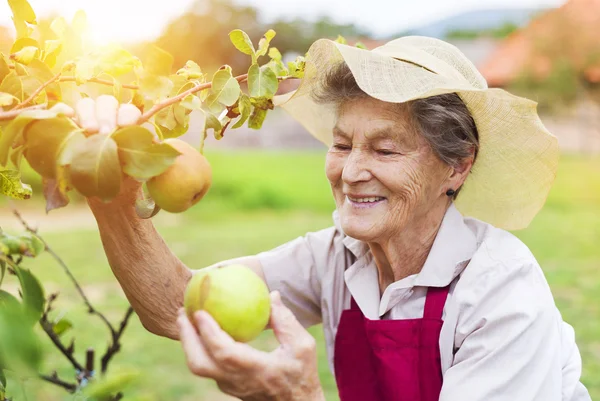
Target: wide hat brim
<point>518,157</point>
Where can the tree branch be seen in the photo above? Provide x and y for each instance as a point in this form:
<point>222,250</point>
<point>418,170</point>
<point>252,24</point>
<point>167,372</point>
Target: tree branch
<point>9,115</point>
<point>36,92</point>
<point>87,302</point>
<point>70,387</point>
<point>159,106</point>
<point>115,346</point>
<point>47,327</point>
<point>99,81</point>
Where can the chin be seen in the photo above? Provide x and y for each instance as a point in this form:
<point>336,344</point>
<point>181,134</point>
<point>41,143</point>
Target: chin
<point>361,228</point>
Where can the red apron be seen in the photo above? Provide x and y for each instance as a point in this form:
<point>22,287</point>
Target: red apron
<point>390,360</point>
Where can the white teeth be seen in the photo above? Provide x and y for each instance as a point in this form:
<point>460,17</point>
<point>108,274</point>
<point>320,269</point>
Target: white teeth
<point>365,200</point>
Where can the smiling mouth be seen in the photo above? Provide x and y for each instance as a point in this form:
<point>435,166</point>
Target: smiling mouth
<point>365,201</point>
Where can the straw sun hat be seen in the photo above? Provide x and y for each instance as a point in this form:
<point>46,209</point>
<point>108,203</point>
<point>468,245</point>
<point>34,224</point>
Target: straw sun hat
<point>518,157</point>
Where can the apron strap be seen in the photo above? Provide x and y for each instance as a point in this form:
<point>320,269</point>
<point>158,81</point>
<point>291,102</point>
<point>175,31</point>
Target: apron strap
<point>435,301</point>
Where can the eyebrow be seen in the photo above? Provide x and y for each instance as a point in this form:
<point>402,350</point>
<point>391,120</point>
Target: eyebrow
<point>375,134</point>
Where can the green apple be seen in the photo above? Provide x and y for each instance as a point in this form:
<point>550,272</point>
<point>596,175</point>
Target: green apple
<point>235,296</point>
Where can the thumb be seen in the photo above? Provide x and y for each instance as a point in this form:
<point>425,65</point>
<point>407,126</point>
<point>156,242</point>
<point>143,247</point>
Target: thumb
<point>285,326</point>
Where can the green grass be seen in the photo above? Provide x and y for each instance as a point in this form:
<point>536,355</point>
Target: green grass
<point>260,200</point>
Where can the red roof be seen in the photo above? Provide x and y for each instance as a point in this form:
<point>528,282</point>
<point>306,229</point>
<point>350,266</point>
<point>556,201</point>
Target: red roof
<point>569,32</point>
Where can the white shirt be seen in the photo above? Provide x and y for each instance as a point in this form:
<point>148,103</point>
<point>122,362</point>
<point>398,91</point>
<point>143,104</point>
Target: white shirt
<point>502,338</point>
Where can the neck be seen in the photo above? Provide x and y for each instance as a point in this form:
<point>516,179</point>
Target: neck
<point>404,254</point>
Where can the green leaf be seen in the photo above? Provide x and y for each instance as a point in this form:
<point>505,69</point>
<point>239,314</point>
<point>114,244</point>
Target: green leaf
<point>2,384</point>
<point>275,54</point>
<point>30,85</point>
<point>2,269</point>
<point>35,245</point>
<point>79,22</point>
<point>61,327</point>
<point>85,68</point>
<point>341,39</point>
<point>278,68</point>
<point>157,61</point>
<point>45,140</point>
<point>22,11</point>
<point>211,122</point>
<point>20,348</point>
<point>12,84</point>
<point>245,108</point>
<point>360,45</point>
<point>6,99</point>
<point>242,42</point>
<point>22,43</point>
<point>53,46</point>
<point>263,44</point>
<point>141,157</point>
<point>11,185</point>
<point>155,88</point>
<point>16,155</point>
<point>262,82</point>
<point>225,90</point>
<point>32,292</point>
<point>166,118</point>
<point>13,131</point>
<point>60,27</point>
<point>296,67</point>
<point>191,102</point>
<point>8,301</point>
<point>12,245</point>
<point>115,60</point>
<point>257,118</point>
<point>95,167</point>
<point>191,70</point>
<point>43,72</point>
<point>4,69</point>
<point>181,114</point>
<point>113,382</point>
<point>25,55</point>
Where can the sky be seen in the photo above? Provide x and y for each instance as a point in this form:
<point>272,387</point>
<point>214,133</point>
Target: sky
<point>134,20</point>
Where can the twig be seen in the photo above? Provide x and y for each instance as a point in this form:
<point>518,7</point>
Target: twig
<point>36,92</point>
<point>47,326</point>
<point>115,346</point>
<point>87,302</point>
<point>99,81</point>
<point>159,106</point>
<point>70,387</point>
<point>9,115</point>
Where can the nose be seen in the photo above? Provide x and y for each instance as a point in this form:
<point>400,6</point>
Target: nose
<point>356,167</point>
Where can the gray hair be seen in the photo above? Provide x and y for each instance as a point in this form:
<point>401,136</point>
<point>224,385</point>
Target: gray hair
<point>443,120</point>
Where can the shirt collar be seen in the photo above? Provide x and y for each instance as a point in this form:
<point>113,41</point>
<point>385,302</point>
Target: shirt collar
<point>454,245</point>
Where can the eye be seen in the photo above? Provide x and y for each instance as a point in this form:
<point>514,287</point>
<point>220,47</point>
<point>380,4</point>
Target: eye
<point>339,146</point>
<point>385,152</point>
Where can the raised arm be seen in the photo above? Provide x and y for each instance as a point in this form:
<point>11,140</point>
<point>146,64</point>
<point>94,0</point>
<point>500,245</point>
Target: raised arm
<point>151,276</point>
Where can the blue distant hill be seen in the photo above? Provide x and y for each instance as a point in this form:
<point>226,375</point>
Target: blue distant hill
<point>476,20</point>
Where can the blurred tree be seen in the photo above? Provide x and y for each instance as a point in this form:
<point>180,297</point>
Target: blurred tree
<point>199,33</point>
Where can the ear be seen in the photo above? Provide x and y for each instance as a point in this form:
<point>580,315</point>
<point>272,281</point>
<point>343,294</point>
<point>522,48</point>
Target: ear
<point>459,173</point>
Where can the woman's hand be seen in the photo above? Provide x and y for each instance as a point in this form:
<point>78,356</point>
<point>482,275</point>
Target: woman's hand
<point>287,373</point>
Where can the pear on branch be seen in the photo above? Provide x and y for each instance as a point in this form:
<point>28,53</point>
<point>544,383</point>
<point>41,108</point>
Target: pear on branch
<point>184,183</point>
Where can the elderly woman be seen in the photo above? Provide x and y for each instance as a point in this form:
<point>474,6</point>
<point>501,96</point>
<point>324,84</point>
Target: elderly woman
<point>422,293</point>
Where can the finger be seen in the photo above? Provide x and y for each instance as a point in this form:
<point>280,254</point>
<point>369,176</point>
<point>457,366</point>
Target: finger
<point>85,110</point>
<point>106,113</point>
<point>224,350</point>
<point>286,327</point>
<point>198,360</point>
<point>128,115</point>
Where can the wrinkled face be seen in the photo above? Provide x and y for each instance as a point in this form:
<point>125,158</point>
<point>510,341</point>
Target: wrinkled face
<point>383,175</point>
